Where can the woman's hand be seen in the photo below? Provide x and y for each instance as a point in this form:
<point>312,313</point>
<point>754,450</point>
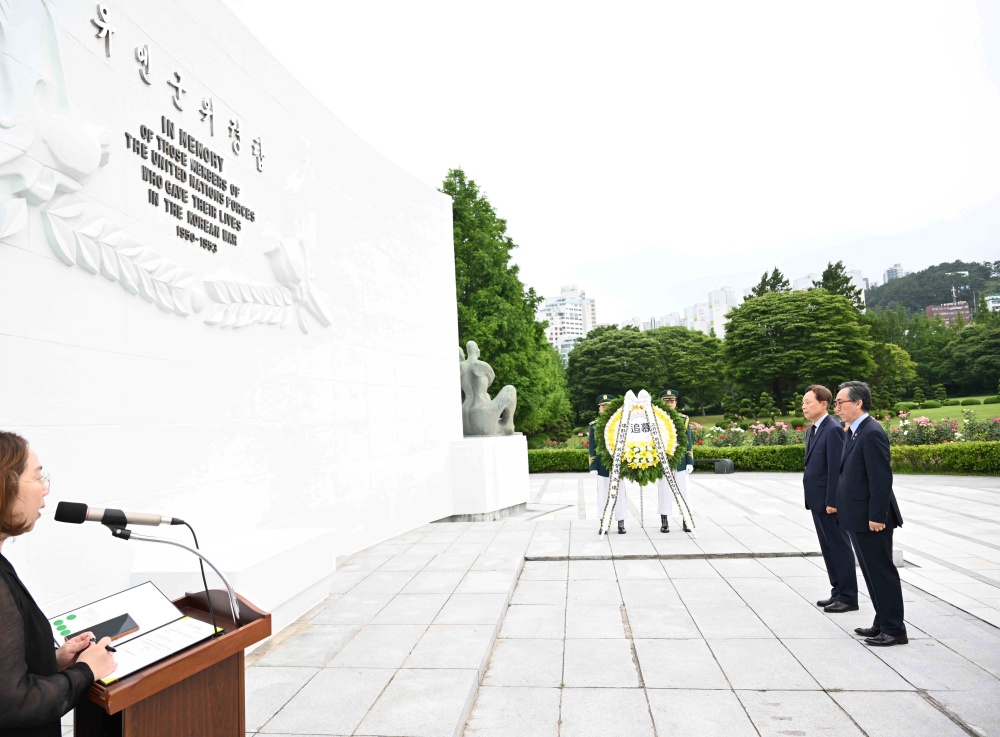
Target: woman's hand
<point>99,658</point>
<point>71,649</point>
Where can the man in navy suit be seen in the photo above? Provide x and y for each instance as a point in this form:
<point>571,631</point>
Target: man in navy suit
<point>824,446</point>
<point>867,509</point>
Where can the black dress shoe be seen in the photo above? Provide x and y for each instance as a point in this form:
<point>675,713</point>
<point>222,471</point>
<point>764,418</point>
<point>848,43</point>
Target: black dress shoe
<point>885,640</point>
<point>826,602</point>
<point>839,607</point>
<point>621,527</point>
<point>664,523</point>
<point>867,631</point>
<point>686,528</point>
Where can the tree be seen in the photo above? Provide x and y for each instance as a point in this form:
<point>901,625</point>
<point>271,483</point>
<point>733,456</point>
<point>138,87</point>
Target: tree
<point>887,326</point>
<point>927,341</point>
<point>893,372</point>
<point>766,407</point>
<point>918,396</point>
<point>747,409</point>
<point>496,311</point>
<point>691,363</point>
<point>973,359</point>
<point>612,362</point>
<point>783,340</point>
<point>882,399</point>
<point>836,281</point>
<point>776,282</point>
<point>796,404</point>
<point>940,393</point>
<point>984,316</point>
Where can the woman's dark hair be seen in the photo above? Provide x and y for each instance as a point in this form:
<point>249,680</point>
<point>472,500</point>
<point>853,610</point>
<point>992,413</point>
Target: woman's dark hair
<point>13,461</point>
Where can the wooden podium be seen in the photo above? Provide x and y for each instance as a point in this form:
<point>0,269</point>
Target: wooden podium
<point>198,692</point>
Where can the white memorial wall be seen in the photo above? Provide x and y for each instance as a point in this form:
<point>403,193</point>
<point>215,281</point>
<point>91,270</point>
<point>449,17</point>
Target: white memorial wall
<point>216,303</point>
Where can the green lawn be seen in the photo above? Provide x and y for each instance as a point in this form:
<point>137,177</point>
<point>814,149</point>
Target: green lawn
<point>707,420</point>
<point>982,411</point>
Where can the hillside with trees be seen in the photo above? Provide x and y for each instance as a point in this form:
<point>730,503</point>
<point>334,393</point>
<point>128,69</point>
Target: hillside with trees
<point>933,286</point>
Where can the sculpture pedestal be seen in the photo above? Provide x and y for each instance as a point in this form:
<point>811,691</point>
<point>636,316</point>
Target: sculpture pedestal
<point>490,477</point>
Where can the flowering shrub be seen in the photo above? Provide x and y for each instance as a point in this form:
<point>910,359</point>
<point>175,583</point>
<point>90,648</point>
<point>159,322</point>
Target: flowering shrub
<point>924,431</point>
<point>758,433</point>
<point>980,429</point>
<point>779,433</point>
<point>730,437</point>
<point>697,433</point>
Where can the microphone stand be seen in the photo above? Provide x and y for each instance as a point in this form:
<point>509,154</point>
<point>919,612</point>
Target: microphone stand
<point>123,533</point>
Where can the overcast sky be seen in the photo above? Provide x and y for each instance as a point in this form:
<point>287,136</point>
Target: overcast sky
<point>652,151</point>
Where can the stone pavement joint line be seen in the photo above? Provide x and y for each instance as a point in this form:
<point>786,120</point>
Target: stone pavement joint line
<point>670,556</point>
<point>972,731</point>
<point>534,625</point>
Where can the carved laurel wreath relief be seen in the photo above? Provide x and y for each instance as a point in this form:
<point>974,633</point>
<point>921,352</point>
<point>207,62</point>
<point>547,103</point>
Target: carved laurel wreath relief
<point>47,154</point>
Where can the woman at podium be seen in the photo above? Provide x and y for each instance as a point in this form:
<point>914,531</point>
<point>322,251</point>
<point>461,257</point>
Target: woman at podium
<point>38,683</point>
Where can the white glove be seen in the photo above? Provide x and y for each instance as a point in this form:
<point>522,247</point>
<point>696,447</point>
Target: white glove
<point>593,473</point>
<point>690,468</point>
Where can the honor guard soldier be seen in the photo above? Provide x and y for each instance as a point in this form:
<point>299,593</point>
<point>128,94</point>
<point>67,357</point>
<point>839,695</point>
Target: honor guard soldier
<point>684,467</point>
<point>598,468</point>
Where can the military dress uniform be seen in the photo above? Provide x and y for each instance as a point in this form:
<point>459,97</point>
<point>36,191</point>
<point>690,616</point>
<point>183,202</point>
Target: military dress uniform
<point>684,467</point>
<point>603,474</point>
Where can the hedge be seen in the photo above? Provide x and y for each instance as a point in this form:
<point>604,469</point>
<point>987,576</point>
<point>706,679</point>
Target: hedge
<point>952,458</point>
<point>933,404</point>
<point>756,457</point>
<point>905,406</point>
<point>959,458</point>
<point>991,400</point>
<point>565,460</point>
<point>951,402</point>
<point>970,401</point>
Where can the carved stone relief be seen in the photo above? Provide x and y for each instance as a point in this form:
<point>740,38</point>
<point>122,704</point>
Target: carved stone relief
<point>47,154</point>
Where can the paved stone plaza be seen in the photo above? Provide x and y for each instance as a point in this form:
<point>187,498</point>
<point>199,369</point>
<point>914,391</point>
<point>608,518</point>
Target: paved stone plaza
<point>536,626</point>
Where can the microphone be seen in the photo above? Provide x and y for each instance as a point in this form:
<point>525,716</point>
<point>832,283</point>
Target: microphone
<point>76,513</point>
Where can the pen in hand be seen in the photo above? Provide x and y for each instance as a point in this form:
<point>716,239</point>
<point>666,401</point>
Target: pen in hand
<point>109,648</point>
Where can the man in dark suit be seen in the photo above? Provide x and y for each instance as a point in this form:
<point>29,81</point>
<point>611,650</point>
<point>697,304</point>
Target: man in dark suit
<point>867,509</point>
<point>824,447</point>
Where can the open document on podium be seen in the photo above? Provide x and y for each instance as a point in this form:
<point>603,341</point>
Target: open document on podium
<point>144,625</point>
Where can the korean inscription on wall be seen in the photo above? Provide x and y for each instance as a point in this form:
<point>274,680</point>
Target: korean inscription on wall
<point>186,176</point>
